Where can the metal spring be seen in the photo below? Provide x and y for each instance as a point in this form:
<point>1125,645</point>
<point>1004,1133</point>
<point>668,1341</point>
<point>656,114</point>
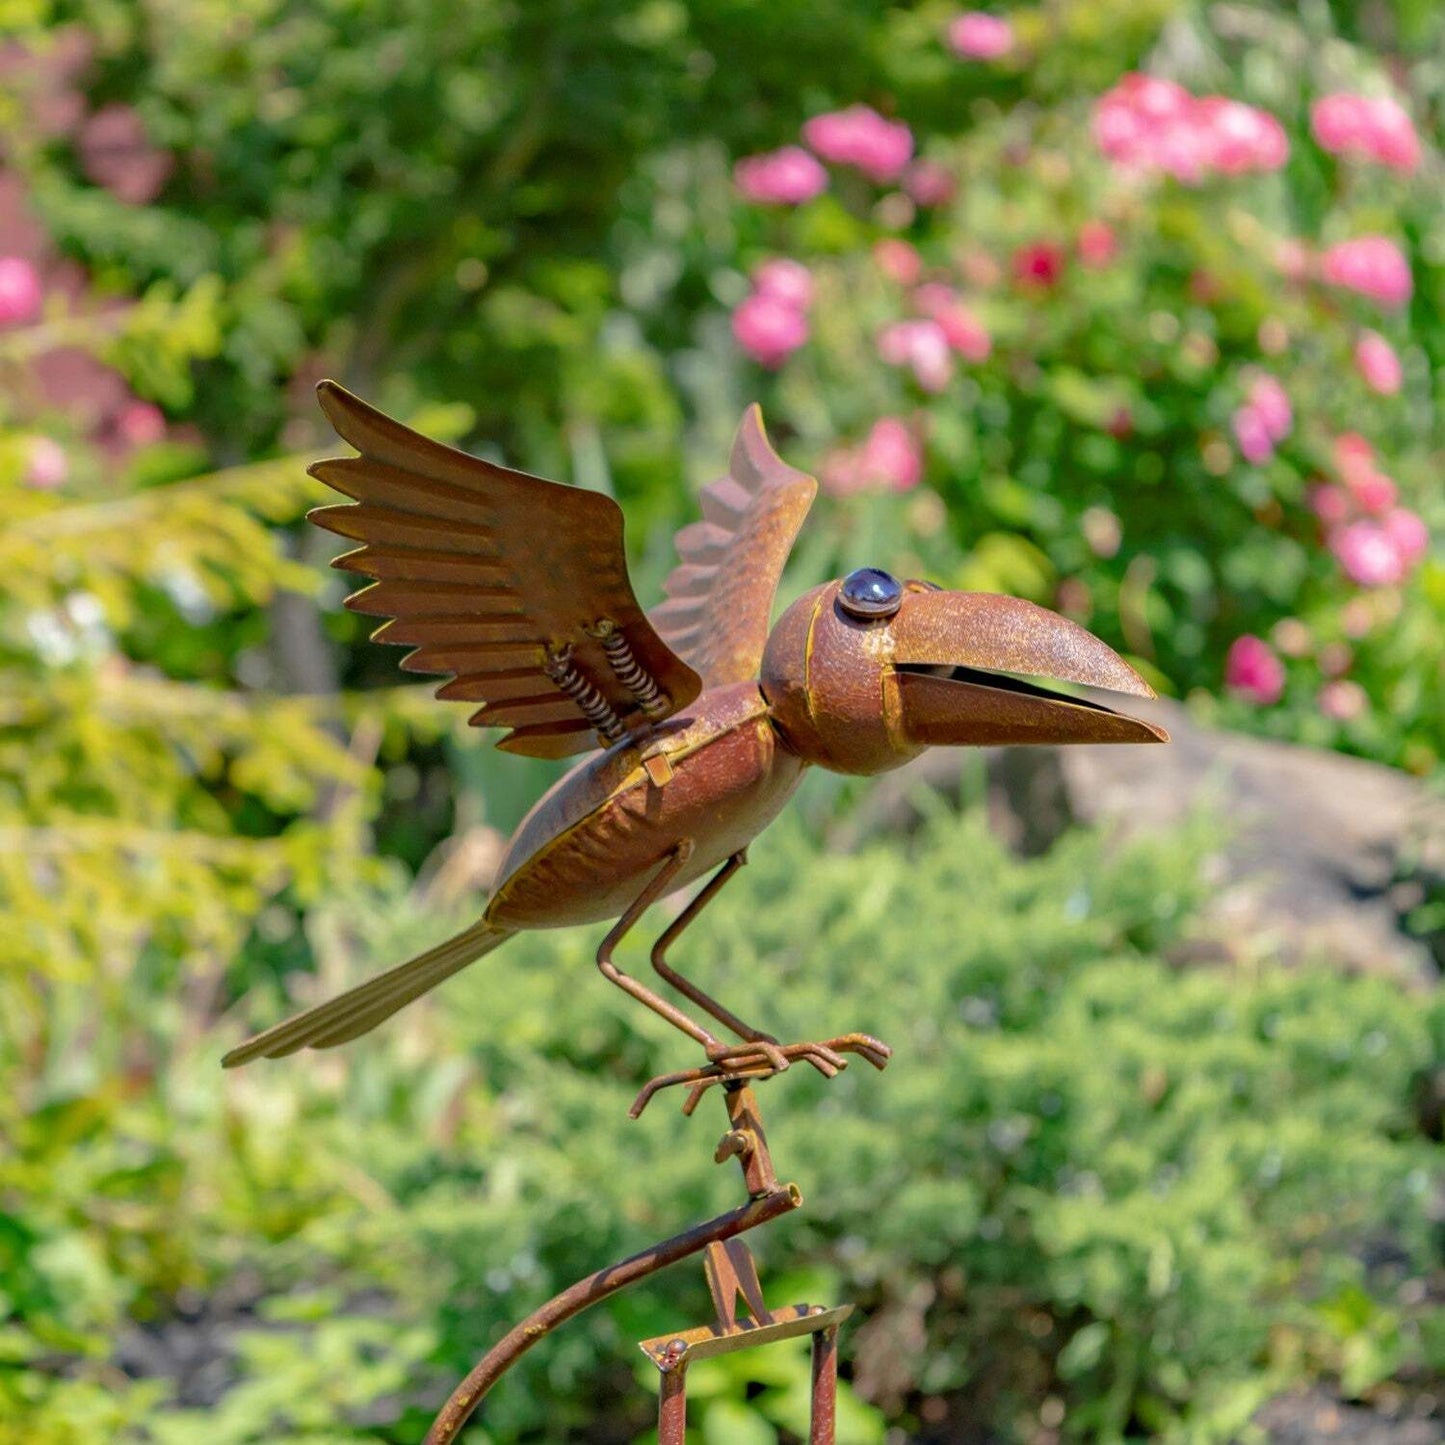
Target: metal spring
<point>594,706</point>
<point>629,672</point>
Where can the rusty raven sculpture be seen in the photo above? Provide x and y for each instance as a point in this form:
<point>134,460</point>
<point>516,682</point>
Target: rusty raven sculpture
<point>700,720</point>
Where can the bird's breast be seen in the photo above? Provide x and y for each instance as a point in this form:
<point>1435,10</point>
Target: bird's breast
<point>596,838</point>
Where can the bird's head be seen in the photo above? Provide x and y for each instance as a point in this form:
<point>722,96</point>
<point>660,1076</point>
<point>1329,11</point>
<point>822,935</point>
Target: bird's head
<point>864,673</point>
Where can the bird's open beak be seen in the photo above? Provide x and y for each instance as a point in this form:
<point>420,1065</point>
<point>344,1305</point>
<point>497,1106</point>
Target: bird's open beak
<point>977,669</point>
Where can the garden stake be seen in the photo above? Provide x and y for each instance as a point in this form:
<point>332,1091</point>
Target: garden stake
<point>706,721</point>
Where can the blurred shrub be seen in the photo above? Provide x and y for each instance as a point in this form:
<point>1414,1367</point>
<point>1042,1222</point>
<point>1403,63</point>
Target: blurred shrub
<point>1086,1177</point>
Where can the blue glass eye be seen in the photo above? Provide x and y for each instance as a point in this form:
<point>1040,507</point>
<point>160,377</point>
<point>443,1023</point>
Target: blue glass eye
<point>870,592</point>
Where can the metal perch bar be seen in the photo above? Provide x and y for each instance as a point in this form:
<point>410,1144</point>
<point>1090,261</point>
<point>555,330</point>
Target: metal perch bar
<point>744,1141</point>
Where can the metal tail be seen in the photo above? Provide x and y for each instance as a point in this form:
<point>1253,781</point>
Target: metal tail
<point>359,1010</point>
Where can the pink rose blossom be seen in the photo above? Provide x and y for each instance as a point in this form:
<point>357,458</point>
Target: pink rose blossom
<point>1341,700</point>
<point>1374,266</point>
<point>1329,503</point>
<point>1146,124</point>
<point>1253,671</point>
<point>785,280</point>
<point>898,261</point>
<point>1039,264</point>
<point>1237,138</point>
<point>1252,432</point>
<point>977,35</point>
<point>929,184</point>
<point>921,345</point>
<point>1269,399</point>
<point>1407,534</point>
<point>785,177</point>
<point>1098,245</point>
<point>20,293</point>
<point>1353,453</point>
<point>47,465</point>
<point>1367,555</point>
<point>891,456</point>
<point>963,331</point>
<point>861,138</point>
<point>1373,491</point>
<point>140,424</point>
<point>769,329</point>
<point>1376,361</point>
<point>1367,128</point>
<point>116,153</point>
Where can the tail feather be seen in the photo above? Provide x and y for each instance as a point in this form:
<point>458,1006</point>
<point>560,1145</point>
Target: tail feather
<point>359,1010</point>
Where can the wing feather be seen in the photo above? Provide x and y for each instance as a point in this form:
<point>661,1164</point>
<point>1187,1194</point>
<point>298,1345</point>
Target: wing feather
<point>720,595</point>
<point>504,580</point>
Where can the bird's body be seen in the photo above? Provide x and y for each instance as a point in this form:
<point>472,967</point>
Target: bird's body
<point>703,717</point>
<point>598,836</point>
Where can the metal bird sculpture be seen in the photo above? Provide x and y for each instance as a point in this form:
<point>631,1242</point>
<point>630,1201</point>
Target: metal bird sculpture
<point>700,720</point>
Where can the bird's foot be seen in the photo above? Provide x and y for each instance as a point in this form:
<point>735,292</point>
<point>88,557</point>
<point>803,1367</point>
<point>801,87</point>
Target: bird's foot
<point>761,1058</point>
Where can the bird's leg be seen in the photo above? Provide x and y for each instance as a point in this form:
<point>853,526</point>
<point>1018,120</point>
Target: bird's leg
<point>757,1045</point>
<point>671,866</point>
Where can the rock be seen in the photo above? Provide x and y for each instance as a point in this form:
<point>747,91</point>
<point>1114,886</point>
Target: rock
<point>1321,854</point>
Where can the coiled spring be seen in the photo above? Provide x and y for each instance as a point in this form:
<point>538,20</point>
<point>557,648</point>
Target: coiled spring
<point>629,672</point>
<point>595,707</point>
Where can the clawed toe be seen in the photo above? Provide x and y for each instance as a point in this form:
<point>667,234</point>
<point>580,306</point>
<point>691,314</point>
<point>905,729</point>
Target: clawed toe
<point>761,1058</point>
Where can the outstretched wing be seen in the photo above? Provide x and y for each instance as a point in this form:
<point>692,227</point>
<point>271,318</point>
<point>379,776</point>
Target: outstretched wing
<point>516,586</point>
<point>720,597</point>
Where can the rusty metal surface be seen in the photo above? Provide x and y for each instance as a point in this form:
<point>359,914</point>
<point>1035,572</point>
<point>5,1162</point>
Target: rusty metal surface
<point>491,575</point>
<point>680,1348</point>
<point>519,587</point>
<point>720,597</point>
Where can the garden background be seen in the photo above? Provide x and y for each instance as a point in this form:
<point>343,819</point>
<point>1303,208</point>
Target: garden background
<point>1133,309</point>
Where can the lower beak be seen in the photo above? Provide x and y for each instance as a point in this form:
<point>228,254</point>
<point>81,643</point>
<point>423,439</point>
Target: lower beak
<point>975,669</point>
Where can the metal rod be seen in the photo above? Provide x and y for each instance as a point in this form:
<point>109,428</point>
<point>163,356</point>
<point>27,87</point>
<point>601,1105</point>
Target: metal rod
<point>823,1427</point>
<point>596,1287</point>
<point>672,1405</point>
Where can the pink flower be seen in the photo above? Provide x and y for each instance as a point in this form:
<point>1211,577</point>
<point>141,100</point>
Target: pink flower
<point>1377,362</point>
<point>929,184</point>
<point>769,329</point>
<point>1407,534</point>
<point>1374,266</point>
<point>1097,244</point>
<point>1366,128</point>
<point>977,35</point>
<point>1146,124</point>
<point>1239,138</point>
<point>1269,399</point>
<point>862,138</point>
<point>1253,671</point>
<point>47,465</point>
<point>1039,264</point>
<point>1252,432</point>
<point>1367,555</point>
<point>1373,491</point>
<point>1330,504</point>
<point>20,292</point>
<point>963,331</point>
<point>891,456</point>
<point>921,345</point>
<point>140,424</point>
<point>116,153</point>
<point>785,177</point>
<point>785,280</point>
<point>1353,453</point>
<point>1341,700</point>
<point>898,261</point>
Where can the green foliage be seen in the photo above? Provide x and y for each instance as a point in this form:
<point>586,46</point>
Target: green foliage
<point>1085,1174</point>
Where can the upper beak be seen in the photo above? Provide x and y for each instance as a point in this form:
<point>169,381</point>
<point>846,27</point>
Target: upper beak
<point>974,668</point>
